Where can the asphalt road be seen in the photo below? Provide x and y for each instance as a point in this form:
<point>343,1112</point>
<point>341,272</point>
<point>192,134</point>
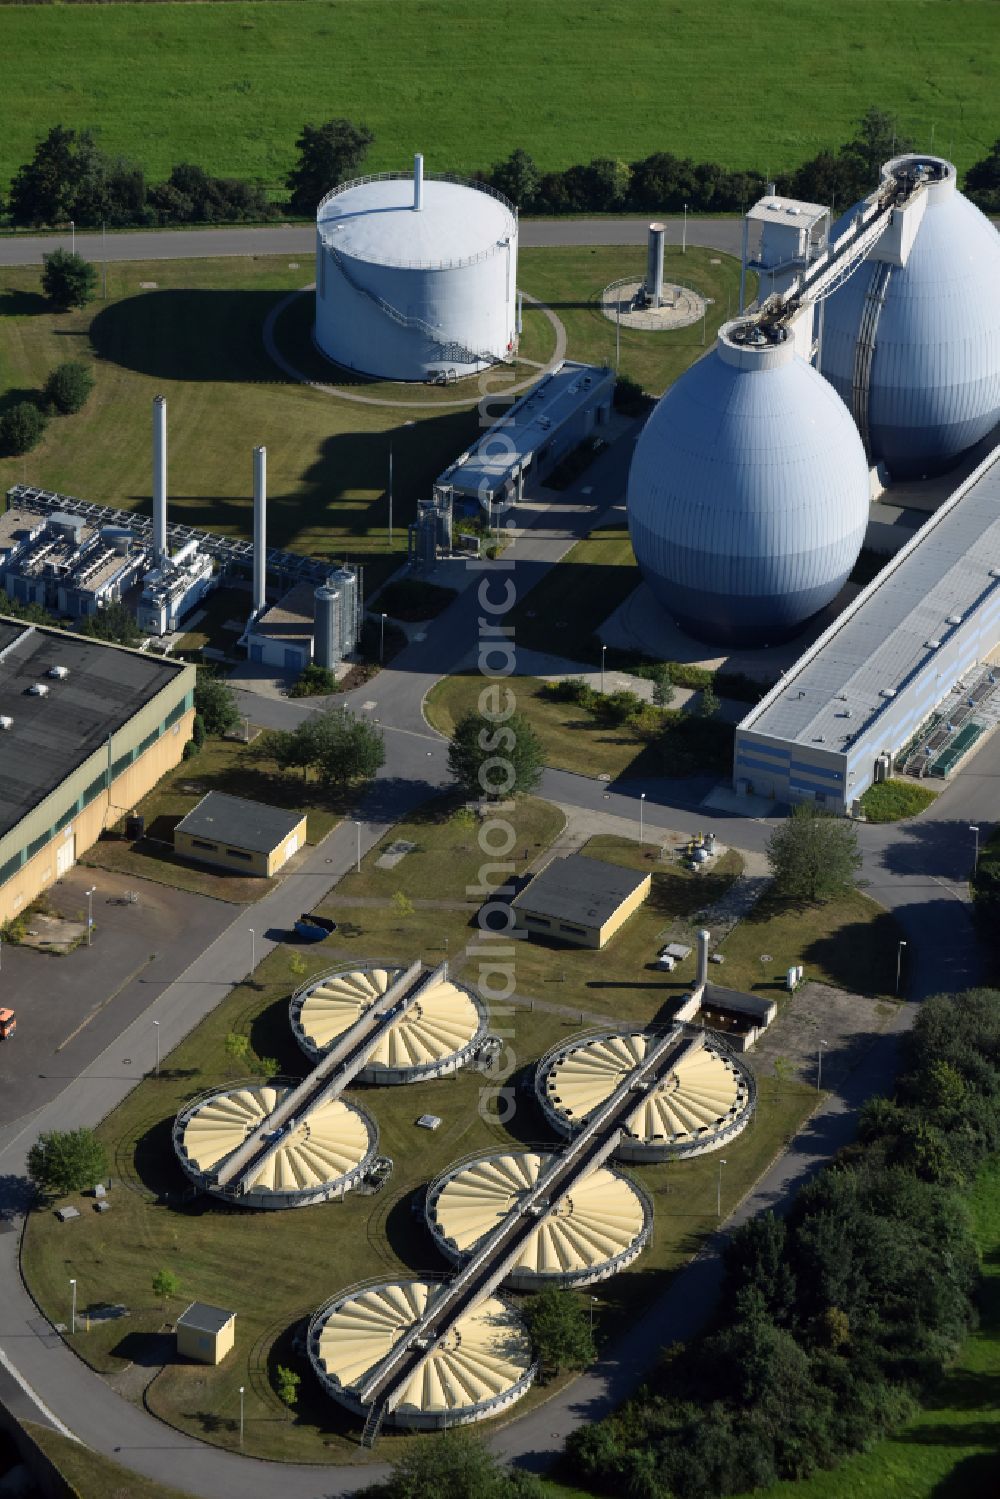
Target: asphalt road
<point>917,870</point>
<point>300,240</point>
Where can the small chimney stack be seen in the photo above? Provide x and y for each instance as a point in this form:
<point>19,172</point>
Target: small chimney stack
<point>159,480</point>
<point>703,940</point>
<point>259,530</point>
<point>418,182</point>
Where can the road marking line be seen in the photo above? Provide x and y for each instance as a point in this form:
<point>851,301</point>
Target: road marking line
<point>36,1399</point>
<point>98,1008</point>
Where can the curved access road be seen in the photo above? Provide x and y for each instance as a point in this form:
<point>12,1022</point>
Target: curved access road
<point>299,240</point>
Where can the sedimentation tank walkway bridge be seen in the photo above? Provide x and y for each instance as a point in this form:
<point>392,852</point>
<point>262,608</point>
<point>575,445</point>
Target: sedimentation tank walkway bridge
<point>496,1256</point>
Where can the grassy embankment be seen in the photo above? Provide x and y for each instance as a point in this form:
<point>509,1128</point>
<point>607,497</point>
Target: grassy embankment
<point>231,1258</point>
<point>229,85</point>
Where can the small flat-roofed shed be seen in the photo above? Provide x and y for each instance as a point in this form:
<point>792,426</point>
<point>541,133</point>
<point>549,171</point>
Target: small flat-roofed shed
<point>579,900</point>
<point>205,1333</point>
<point>240,835</point>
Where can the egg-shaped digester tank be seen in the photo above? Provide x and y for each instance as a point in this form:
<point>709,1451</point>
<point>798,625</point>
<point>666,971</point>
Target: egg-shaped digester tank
<point>748,491</point>
<point>914,350</point>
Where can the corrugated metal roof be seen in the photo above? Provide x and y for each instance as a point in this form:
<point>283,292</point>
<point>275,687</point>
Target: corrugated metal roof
<point>883,637</point>
<point>597,1221</point>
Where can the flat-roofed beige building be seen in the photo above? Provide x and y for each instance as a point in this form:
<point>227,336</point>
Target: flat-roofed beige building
<point>579,900</point>
<point>239,835</point>
<point>86,730</point>
<point>205,1333</point>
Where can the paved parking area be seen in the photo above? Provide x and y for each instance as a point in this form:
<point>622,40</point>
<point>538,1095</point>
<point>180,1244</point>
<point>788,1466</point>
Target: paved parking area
<point>818,1018</point>
<point>70,1007</point>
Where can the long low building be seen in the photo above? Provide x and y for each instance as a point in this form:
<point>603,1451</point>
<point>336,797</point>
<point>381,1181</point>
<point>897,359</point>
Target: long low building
<point>534,435</point>
<point>86,730</point>
<point>836,721</point>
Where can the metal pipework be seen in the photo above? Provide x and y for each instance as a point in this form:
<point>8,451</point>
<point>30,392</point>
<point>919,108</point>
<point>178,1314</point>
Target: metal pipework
<point>418,182</point>
<point>159,479</point>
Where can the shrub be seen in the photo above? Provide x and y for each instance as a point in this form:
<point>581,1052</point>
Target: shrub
<point>68,386</point>
<point>314,681</point>
<point>889,801</point>
<point>21,429</point>
<point>63,1161</point>
<point>287,1383</point>
<point>67,279</point>
<point>198,731</point>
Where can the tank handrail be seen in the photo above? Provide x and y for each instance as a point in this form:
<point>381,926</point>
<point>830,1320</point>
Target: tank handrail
<point>478,187</point>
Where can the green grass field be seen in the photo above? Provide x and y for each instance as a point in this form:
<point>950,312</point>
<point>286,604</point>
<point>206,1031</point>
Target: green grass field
<point>229,85</point>
<point>564,610</point>
<point>227,1257</point>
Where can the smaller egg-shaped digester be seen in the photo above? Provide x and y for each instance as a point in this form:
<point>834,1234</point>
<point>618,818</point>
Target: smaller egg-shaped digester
<point>748,492</point>
<point>913,350</point>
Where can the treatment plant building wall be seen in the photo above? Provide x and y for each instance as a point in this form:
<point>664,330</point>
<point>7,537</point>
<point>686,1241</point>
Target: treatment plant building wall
<point>76,758</point>
<point>876,675</point>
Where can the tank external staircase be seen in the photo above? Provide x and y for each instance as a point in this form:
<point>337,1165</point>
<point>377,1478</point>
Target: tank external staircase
<point>498,1253</point>
<point>449,351</point>
<point>334,1071</point>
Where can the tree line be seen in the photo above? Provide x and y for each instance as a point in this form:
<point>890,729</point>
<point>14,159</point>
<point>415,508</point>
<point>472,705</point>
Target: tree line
<point>835,1320</point>
<point>70,177</point>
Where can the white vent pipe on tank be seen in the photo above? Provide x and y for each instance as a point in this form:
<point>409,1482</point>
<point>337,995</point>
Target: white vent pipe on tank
<point>418,182</point>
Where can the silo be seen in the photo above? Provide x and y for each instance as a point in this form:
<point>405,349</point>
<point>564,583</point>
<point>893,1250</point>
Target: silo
<point>335,611</point>
<point>748,491</point>
<point>913,348</point>
<point>415,275</point>
<point>479,1368</point>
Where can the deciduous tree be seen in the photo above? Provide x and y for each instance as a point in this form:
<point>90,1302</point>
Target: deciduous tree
<point>327,155</point>
<point>495,760</point>
<point>63,1161</point>
<point>813,855</point>
<point>67,279</point>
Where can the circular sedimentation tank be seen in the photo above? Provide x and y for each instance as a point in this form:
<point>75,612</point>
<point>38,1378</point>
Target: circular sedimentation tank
<point>415,277</point>
<point>436,1035</point>
<point>318,1157</point>
<point>707,1099</point>
<point>748,493</point>
<point>928,332</point>
<point>482,1366</point>
<point>597,1229</point>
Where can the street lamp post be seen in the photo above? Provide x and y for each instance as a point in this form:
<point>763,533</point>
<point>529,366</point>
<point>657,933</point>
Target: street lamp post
<point>242,1387</point>
<point>604,652</point>
<point>90,915</point>
<point>156,1028</point>
<point>718,1190</point>
<point>358,827</point>
<point>975,830</point>
<point>72,230</point>
<point>253,949</point>
<point>381,640</point>
<point>72,1315</point>
<point>593,1303</point>
<point>390,493</point>
<point>819,1065</point>
<point>684,239</point>
<point>642,798</point>
<point>899,961</point>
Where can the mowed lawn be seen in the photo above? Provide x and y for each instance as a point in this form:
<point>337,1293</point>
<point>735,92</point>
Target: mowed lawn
<point>230,85</point>
<point>571,739</point>
<point>565,609</point>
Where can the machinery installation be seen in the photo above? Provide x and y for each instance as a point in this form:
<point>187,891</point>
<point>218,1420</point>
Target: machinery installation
<point>416,278</point>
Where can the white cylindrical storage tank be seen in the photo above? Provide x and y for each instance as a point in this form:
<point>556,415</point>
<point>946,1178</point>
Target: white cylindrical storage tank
<point>748,492</point>
<point>326,625</point>
<point>415,275</point>
<point>598,1228</point>
<point>318,1157</point>
<point>707,1099</point>
<point>654,264</point>
<point>439,1032</point>
<point>482,1365</point>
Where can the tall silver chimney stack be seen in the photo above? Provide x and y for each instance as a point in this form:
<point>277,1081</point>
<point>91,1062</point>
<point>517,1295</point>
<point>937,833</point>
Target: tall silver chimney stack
<point>703,940</point>
<point>159,480</point>
<point>418,182</point>
<point>259,529</point>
